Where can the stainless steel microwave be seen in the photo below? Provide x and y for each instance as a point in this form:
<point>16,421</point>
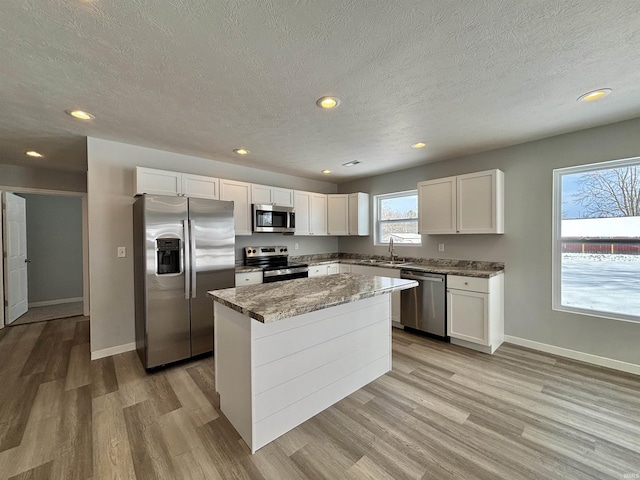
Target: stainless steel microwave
<point>273,218</point>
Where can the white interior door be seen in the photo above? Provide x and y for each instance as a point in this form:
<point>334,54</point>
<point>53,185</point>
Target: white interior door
<point>15,235</point>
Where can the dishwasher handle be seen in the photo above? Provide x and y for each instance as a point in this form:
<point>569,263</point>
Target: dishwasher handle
<point>422,278</point>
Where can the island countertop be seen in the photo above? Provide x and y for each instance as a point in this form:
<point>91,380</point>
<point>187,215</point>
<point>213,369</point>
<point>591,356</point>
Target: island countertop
<point>269,302</point>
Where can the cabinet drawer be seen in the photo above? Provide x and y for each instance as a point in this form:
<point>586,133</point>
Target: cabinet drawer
<point>248,278</point>
<point>472,284</point>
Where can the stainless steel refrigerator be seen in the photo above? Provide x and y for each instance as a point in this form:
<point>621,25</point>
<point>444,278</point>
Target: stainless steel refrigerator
<point>183,247</point>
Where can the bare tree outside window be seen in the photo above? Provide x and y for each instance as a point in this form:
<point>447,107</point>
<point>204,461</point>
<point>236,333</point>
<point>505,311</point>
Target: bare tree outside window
<point>613,192</point>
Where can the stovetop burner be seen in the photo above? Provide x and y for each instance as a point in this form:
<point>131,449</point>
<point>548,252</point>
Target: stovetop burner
<point>274,262</point>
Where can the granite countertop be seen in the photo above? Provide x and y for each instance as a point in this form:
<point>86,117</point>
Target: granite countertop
<point>304,295</point>
<point>443,266</point>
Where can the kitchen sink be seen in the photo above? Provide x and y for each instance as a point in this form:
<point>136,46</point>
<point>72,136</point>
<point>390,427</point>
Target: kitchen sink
<point>394,263</point>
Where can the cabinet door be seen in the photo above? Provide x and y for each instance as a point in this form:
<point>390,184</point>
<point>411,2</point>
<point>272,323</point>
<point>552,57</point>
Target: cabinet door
<point>338,214</point>
<point>240,194</point>
<point>333,269</point>
<point>157,182</point>
<point>437,206</point>
<point>200,186</point>
<point>282,196</point>
<point>261,194</point>
<point>318,271</point>
<point>302,204</point>
<point>468,315</point>
<point>318,214</point>
<point>359,214</point>
<point>479,202</point>
<point>344,268</point>
<point>248,278</point>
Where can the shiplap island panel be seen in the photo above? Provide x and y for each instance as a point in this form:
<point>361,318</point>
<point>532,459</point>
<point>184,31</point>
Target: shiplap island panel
<point>288,350</point>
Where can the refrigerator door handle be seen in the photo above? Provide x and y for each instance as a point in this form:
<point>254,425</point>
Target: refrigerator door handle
<point>192,240</point>
<point>187,259</point>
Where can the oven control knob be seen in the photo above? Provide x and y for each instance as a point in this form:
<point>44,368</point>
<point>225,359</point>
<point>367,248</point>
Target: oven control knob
<point>253,251</point>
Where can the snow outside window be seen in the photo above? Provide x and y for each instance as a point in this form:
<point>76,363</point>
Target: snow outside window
<point>596,254</point>
<point>397,218</point>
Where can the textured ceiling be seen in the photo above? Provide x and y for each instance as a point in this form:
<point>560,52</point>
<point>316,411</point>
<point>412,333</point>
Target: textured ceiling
<point>203,77</point>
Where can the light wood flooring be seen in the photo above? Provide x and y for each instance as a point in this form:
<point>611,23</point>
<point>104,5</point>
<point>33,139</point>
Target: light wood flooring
<point>444,412</point>
<point>49,312</point>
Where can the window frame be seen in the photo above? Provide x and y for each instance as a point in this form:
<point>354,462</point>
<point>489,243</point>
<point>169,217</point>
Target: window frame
<point>556,249</point>
<point>376,220</point>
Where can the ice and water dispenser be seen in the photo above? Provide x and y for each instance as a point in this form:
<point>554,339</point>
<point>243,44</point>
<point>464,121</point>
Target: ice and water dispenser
<point>168,255</point>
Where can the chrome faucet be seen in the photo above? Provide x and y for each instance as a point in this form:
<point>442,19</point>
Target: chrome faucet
<point>391,254</point>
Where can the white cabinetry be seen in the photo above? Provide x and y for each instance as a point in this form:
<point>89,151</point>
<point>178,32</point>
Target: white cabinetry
<point>302,204</point>
<point>333,269</point>
<point>475,311</point>
<point>318,271</point>
<point>318,214</point>
<point>240,194</point>
<point>359,214</point>
<point>338,214</point>
<point>344,268</point>
<point>263,194</point>
<point>383,272</point>
<point>472,203</point>
<point>248,278</point>
<point>164,182</point>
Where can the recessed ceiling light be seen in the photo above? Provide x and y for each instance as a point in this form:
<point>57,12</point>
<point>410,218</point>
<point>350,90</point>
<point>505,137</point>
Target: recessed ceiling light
<point>595,95</point>
<point>80,114</point>
<point>326,171</point>
<point>328,102</point>
<point>351,163</point>
<point>33,153</point>
<point>419,145</point>
<point>241,151</point>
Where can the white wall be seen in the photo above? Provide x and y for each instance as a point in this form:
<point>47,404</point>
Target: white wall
<point>54,246</point>
<point>110,193</point>
<point>42,178</point>
<point>526,245</point>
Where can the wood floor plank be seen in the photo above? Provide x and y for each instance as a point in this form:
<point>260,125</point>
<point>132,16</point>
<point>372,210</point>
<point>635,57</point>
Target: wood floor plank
<point>443,413</point>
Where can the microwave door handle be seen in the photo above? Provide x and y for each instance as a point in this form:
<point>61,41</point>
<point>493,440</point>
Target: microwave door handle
<point>192,238</point>
<point>186,258</point>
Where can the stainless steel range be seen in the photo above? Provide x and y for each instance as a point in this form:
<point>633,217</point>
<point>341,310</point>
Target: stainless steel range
<point>274,262</point>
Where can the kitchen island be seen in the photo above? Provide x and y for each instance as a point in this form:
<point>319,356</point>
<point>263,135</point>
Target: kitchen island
<point>286,351</point>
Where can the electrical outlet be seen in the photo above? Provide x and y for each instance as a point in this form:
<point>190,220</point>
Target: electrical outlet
<point>122,252</point>
<point>441,247</point>
<point>295,246</point>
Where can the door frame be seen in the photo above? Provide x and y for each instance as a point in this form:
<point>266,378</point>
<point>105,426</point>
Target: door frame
<point>85,243</point>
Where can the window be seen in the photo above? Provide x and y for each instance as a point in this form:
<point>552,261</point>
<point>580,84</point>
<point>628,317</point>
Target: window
<point>397,218</point>
<point>596,252</point>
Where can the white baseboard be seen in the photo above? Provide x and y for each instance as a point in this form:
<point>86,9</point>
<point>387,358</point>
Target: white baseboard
<point>59,301</point>
<point>575,355</point>
<point>108,352</point>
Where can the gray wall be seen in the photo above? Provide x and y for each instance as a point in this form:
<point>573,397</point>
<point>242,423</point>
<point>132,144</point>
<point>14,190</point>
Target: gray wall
<point>110,196</point>
<point>526,245</point>
<point>54,246</point>
<point>42,178</point>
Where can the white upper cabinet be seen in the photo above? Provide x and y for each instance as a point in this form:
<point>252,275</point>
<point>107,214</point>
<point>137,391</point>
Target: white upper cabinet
<point>164,182</point>
<point>264,194</point>
<point>471,203</point>
<point>200,186</point>
<point>338,214</point>
<point>240,194</point>
<point>302,204</point>
<point>311,213</point>
<point>359,214</point>
<point>318,214</point>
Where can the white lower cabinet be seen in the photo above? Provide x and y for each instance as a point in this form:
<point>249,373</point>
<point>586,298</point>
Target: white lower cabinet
<point>318,271</point>
<point>344,268</point>
<point>333,269</point>
<point>475,312</point>
<point>383,272</point>
<point>248,278</point>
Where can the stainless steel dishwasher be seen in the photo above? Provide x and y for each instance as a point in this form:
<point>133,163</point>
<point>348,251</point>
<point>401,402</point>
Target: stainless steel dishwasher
<point>423,308</point>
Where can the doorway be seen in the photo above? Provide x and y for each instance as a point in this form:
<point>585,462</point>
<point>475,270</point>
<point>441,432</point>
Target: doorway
<point>45,272</point>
